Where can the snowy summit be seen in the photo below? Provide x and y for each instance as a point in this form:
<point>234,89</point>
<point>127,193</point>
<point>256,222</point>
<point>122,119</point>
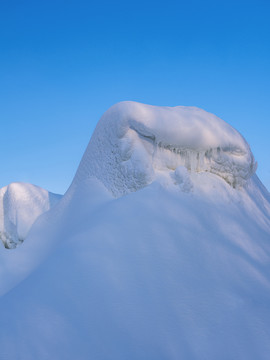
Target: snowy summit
<point>134,143</point>
<point>159,250</point>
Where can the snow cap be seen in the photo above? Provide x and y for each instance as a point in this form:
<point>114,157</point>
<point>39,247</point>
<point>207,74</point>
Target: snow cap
<point>133,142</point>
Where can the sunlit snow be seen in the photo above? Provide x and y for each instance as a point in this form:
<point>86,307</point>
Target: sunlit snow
<point>20,206</point>
<point>133,142</point>
<point>159,250</point>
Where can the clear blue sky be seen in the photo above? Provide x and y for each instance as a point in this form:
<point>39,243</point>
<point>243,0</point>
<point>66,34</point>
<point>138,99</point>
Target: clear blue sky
<point>63,63</point>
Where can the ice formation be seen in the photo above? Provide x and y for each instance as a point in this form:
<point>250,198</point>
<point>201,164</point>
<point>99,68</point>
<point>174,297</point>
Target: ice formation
<point>133,142</point>
<point>20,206</point>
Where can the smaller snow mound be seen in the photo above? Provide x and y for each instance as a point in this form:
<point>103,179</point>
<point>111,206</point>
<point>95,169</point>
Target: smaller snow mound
<point>20,205</point>
<point>133,142</point>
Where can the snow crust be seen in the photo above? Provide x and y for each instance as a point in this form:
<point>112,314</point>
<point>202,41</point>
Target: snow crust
<point>134,142</point>
<point>20,205</point>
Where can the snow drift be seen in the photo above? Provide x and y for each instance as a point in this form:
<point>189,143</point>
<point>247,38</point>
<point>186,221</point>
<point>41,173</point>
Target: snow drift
<point>178,268</point>
<point>20,206</point>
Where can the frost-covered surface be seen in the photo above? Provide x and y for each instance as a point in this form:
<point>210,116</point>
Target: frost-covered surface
<point>133,141</point>
<point>179,269</point>
<point>20,206</point>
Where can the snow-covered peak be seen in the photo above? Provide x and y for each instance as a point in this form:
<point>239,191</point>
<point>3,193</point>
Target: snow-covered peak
<point>20,205</point>
<point>157,274</point>
<point>134,143</point>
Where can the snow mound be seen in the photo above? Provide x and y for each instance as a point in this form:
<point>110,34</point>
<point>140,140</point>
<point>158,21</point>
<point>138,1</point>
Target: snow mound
<point>133,142</point>
<point>20,205</point>
<point>161,273</point>
<point>156,274</point>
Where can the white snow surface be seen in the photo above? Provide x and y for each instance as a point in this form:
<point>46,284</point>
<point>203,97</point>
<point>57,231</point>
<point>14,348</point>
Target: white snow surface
<point>177,269</point>
<point>134,142</point>
<point>20,206</point>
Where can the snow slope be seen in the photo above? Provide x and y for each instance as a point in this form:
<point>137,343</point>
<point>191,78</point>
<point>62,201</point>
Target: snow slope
<point>177,268</point>
<point>20,206</point>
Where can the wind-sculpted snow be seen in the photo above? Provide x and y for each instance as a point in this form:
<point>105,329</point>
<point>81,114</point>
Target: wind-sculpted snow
<point>177,270</point>
<point>156,274</point>
<point>133,144</point>
<point>20,206</point>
